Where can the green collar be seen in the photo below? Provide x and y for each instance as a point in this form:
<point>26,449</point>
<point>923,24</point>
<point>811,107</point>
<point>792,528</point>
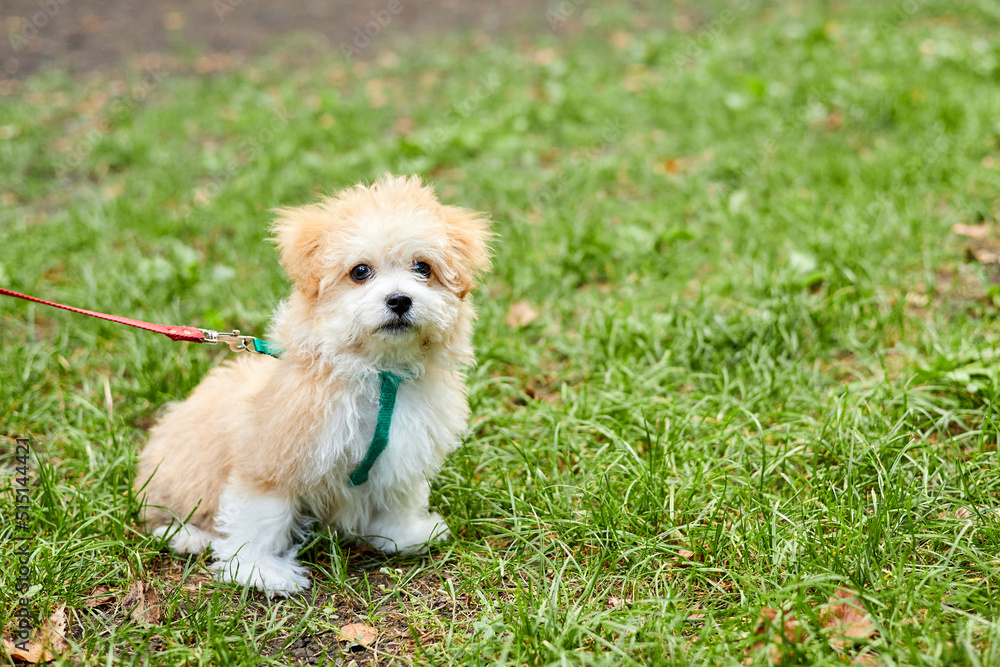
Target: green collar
<point>267,347</point>
<point>388,386</point>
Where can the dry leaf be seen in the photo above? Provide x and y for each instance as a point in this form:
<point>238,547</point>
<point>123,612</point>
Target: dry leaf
<point>404,126</point>
<point>790,632</point>
<point>91,22</point>
<point>971,512</point>
<point>621,40</point>
<point>985,255</point>
<point>173,20</point>
<point>835,120</point>
<point>615,602</point>
<point>46,643</point>
<point>144,601</point>
<point>846,618</point>
<point>544,56</point>
<point>686,558</point>
<point>362,634</point>
<point>675,166</point>
<point>521,314</point>
<point>97,597</point>
<point>971,231</point>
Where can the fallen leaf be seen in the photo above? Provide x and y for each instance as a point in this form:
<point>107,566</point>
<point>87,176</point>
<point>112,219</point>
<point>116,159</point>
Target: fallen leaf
<point>362,634</point>
<point>686,558</point>
<point>213,62</point>
<point>614,602</point>
<point>144,602</point>
<point>521,314</point>
<point>404,125</point>
<point>97,597</point>
<point>835,120</point>
<point>544,56</point>
<point>985,255</point>
<point>173,20</point>
<point>376,93</point>
<point>46,643</point>
<point>620,39</point>
<point>788,631</point>
<point>846,618</point>
<point>971,512</point>
<point>971,231</point>
<point>91,22</point>
<point>674,166</point>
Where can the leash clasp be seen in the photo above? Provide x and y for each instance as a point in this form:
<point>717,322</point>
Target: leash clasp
<point>235,341</point>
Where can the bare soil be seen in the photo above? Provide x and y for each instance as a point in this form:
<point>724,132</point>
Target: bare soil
<point>86,35</point>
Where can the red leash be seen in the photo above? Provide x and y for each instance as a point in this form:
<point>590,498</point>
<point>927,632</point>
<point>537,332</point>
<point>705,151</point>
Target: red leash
<point>191,334</point>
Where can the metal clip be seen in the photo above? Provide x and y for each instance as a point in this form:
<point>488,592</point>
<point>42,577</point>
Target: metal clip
<point>235,341</point>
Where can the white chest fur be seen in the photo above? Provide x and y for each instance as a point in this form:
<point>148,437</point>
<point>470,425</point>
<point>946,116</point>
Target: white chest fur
<point>428,418</point>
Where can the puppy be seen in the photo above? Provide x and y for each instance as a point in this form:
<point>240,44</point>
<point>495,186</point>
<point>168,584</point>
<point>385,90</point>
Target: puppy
<point>381,296</point>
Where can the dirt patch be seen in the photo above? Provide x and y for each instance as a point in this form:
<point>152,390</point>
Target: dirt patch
<point>84,35</point>
<point>410,616</point>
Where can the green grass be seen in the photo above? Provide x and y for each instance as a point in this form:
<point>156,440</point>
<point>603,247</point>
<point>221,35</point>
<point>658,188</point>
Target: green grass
<point>763,369</point>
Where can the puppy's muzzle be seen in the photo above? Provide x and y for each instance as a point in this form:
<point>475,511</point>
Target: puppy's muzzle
<point>399,304</point>
<point>401,307</point>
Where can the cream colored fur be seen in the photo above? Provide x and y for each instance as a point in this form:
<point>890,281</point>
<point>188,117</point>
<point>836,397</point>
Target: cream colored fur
<point>264,445</point>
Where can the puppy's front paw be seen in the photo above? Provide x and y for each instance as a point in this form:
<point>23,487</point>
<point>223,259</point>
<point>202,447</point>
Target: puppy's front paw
<point>273,576</point>
<point>185,539</point>
<point>408,534</point>
<point>437,528</point>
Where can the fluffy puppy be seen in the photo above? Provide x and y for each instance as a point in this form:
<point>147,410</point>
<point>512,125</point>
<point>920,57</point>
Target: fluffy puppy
<point>381,276</point>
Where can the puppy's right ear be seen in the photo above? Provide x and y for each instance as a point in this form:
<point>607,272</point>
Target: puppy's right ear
<point>299,234</point>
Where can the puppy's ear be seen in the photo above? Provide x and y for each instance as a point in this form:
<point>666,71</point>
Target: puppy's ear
<point>299,234</point>
<point>468,237</point>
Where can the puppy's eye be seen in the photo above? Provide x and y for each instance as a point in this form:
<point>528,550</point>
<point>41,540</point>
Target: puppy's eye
<point>422,269</point>
<point>361,273</point>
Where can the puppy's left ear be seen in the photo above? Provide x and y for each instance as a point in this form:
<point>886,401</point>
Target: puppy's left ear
<point>469,236</point>
<point>299,234</point>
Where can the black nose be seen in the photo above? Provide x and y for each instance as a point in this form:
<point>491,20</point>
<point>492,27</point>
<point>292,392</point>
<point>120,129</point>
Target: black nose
<point>399,303</point>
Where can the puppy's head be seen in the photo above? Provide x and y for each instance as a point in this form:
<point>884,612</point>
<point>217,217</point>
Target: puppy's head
<point>385,270</point>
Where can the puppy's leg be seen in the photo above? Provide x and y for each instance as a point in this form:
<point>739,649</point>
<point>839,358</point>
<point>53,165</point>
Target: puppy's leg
<point>186,539</point>
<point>258,543</point>
<point>408,527</point>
